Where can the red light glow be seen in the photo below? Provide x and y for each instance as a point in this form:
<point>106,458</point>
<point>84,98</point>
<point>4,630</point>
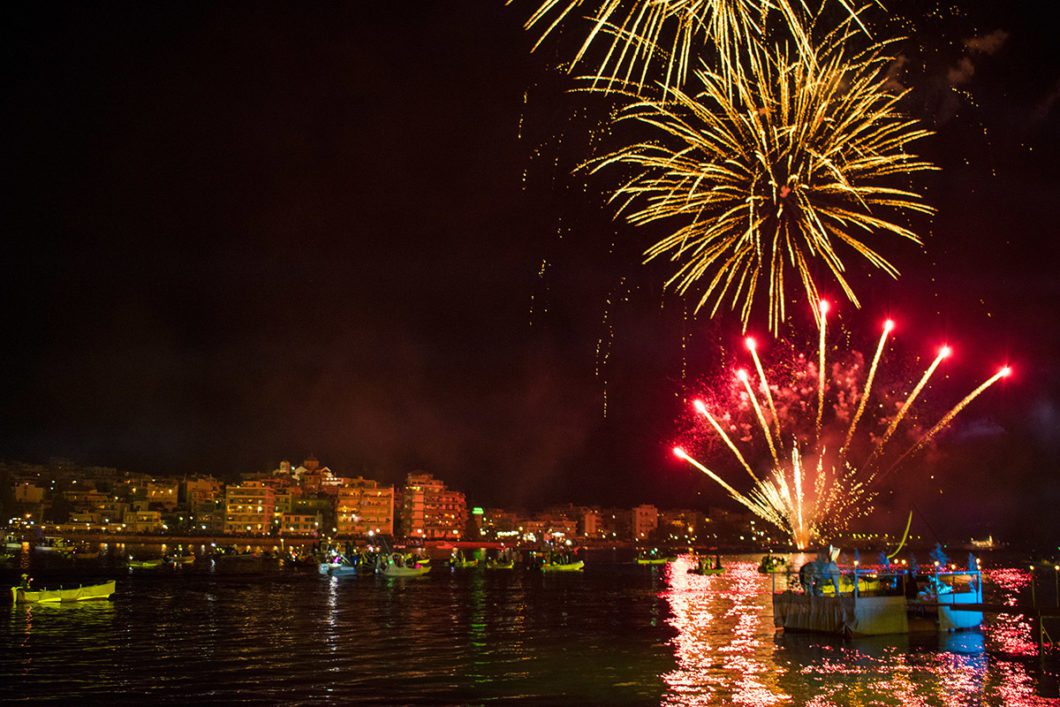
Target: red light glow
<point>824,306</point>
<point>888,325</point>
<point>1005,372</point>
<point>750,342</point>
<point>680,453</point>
<point>945,352</point>
<point>742,375</point>
<point>700,407</point>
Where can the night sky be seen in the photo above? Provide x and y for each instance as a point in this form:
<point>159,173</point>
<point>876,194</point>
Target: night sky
<point>236,233</point>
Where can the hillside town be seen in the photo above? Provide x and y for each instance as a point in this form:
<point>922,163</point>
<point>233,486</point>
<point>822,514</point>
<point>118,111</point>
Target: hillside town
<point>310,500</point>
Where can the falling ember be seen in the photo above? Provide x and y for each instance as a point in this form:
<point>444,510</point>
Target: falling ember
<point>806,490</point>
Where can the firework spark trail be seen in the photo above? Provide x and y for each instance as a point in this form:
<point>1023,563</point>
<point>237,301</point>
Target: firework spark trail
<point>823,320</point>
<point>702,409</point>
<point>752,346</point>
<point>653,43</point>
<point>763,173</point>
<point>748,503</point>
<point>948,418</point>
<point>809,509</point>
<point>742,375</point>
<point>887,327</point>
<point>796,468</point>
<point>944,353</point>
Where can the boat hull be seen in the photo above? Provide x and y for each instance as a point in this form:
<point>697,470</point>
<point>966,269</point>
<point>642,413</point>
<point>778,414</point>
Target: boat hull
<point>395,571</point>
<point>50,596</point>
<point>569,567</point>
<point>145,564</point>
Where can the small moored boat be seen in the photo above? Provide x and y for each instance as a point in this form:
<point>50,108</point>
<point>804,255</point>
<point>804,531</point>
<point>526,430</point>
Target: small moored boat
<point>397,565</point>
<point>576,566</point>
<point>145,564</point>
<point>707,566</point>
<point>771,564</point>
<point>25,595</point>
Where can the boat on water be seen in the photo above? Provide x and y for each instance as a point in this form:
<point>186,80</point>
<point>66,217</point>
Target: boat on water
<point>879,600</point>
<point>458,561</point>
<point>576,566</point>
<point>178,560</point>
<point>55,545</point>
<point>504,560</point>
<point>26,595</point>
<point>771,564</point>
<point>397,565</point>
<point>653,558</point>
<point>500,564</point>
<point>707,566</point>
<point>12,543</point>
<point>145,564</point>
<point>987,543</point>
<point>342,570</point>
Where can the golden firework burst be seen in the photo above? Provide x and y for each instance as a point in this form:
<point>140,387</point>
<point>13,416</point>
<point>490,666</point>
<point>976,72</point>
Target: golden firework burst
<point>783,167</point>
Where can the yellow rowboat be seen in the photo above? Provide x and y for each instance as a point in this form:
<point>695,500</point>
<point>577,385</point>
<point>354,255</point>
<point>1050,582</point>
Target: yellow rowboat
<point>498,565</point>
<point>145,564</point>
<point>48,596</point>
<point>396,571</point>
<point>654,560</point>
<point>568,567</point>
<point>181,560</point>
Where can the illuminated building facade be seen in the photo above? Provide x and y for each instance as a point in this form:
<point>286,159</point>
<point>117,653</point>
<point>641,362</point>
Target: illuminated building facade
<point>645,519</point>
<point>363,506</point>
<point>430,510</point>
<point>249,508</point>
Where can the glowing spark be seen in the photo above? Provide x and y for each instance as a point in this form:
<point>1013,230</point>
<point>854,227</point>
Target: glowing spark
<point>649,42</point>
<point>702,409</point>
<point>763,172</point>
<point>887,327</point>
<point>948,417</point>
<point>742,375</point>
<point>820,366</point>
<point>810,495</point>
<point>752,346</point>
<point>944,352</point>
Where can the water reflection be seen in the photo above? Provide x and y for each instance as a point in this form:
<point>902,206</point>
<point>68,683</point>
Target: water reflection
<point>727,652</point>
<point>722,645</point>
<point>251,630</point>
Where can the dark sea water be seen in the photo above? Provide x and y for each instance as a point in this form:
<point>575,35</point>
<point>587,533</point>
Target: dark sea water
<point>249,630</point>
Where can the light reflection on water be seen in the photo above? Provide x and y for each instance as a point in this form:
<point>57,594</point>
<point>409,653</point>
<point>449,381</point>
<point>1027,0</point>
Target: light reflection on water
<point>619,633</point>
<point>728,653</point>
